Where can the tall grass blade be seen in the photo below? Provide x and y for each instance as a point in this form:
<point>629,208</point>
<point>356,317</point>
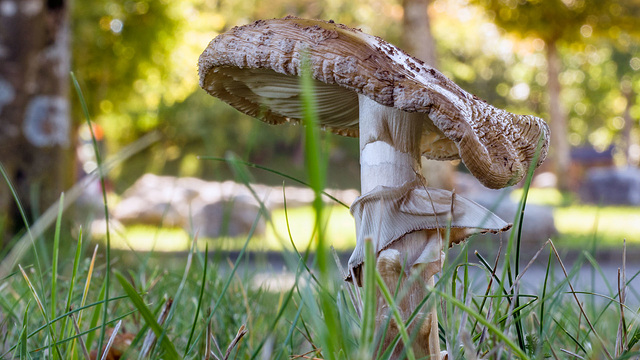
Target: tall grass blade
<point>180,290</point>
<point>149,341</point>
<point>332,337</point>
<point>166,344</point>
<point>314,158</point>
<point>573,291</point>
<point>87,282</point>
<point>106,209</point>
<point>544,293</point>
<point>292,328</point>
<point>6,265</point>
<point>43,310</point>
<point>484,321</point>
<point>97,311</point>
<point>230,277</point>
<point>573,339</point>
<point>102,175</point>
<point>368,324</point>
<point>517,232</point>
<point>54,265</point>
<point>202,287</point>
<point>23,346</point>
<point>621,337</point>
<point>85,293</point>
<point>72,282</point>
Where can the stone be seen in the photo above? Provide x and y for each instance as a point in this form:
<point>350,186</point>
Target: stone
<point>538,224</point>
<point>612,186</point>
<point>210,208</point>
<point>228,218</point>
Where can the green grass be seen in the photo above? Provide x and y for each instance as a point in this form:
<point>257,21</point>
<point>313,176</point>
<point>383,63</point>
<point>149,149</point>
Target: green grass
<point>610,224</point>
<point>215,302</point>
<point>545,196</point>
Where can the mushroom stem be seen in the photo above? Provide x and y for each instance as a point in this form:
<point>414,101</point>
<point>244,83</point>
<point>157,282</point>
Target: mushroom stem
<point>389,145</point>
<point>390,157</point>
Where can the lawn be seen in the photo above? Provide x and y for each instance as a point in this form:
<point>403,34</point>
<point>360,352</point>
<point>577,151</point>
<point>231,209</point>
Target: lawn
<point>577,225</point>
<point>199,305</point>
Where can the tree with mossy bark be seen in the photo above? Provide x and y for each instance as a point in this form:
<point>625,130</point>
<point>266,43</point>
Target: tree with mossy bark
<point>36,136</point>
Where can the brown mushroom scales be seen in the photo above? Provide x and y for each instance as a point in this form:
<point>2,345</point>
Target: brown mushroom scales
<point>401,109</point>
<point>245,66</point>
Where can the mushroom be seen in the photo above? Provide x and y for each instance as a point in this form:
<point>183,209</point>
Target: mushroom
<point>401,109</point>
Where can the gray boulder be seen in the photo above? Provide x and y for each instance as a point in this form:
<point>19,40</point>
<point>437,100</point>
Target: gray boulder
<point>228,218</point>
<point>538,224</point>
<point>612,186</point>
<point>210,208</point>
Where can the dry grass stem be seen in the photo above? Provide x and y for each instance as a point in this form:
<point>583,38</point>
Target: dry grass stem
<point>575,296</point>
<point>80,340</point>
<point>111,340</point>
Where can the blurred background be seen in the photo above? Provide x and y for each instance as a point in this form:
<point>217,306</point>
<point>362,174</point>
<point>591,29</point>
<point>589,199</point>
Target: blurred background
<point>575,63</point>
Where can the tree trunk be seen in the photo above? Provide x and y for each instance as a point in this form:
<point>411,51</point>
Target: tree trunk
<point>560,153</point>
<point>629,122</point>
<point>35,136</point>
<point>418,41</point>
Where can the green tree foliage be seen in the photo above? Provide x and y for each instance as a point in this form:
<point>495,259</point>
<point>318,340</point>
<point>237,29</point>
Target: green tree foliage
<point>573,32</point>
<point>137,61</point>
<point>122,54</point>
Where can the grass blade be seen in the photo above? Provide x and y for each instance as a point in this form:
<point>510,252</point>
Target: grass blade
<point>101,174</point>
<point>178,295</point>
<point>291,329</point>
<point>573,291</point>
<point>42,310</point>
<point>74,273</point>
<point>197,313</point>
<point>95,319</point>
<point>367,331</point>
<point>230,277</point>
<point>4,267</point>
<point>54,266</point>
<point>484,321</point>
<point>166,344</point>
<point>24,352</point>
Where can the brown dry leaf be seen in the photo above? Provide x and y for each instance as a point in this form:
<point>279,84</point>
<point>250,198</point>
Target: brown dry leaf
<point>120,345</point>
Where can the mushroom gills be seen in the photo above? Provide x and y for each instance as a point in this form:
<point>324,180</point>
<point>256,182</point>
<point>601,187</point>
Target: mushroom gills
<point>335,106</point>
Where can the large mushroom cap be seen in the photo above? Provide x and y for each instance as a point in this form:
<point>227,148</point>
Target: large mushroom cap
<point>255,69</point>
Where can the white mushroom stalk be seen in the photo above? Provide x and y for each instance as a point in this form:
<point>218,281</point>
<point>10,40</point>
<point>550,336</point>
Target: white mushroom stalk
<point>402,109</point>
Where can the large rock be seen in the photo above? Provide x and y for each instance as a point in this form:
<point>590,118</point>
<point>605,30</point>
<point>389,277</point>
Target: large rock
<point>210,208</point>
<point>612,186</point>
<point>538,224</point>
<point>228,218</point>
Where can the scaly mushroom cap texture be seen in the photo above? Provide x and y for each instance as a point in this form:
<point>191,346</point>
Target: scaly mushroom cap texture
<point>255,68</point>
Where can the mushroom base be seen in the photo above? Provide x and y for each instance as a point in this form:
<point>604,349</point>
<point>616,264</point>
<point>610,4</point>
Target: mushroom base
<point>394,216</point>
